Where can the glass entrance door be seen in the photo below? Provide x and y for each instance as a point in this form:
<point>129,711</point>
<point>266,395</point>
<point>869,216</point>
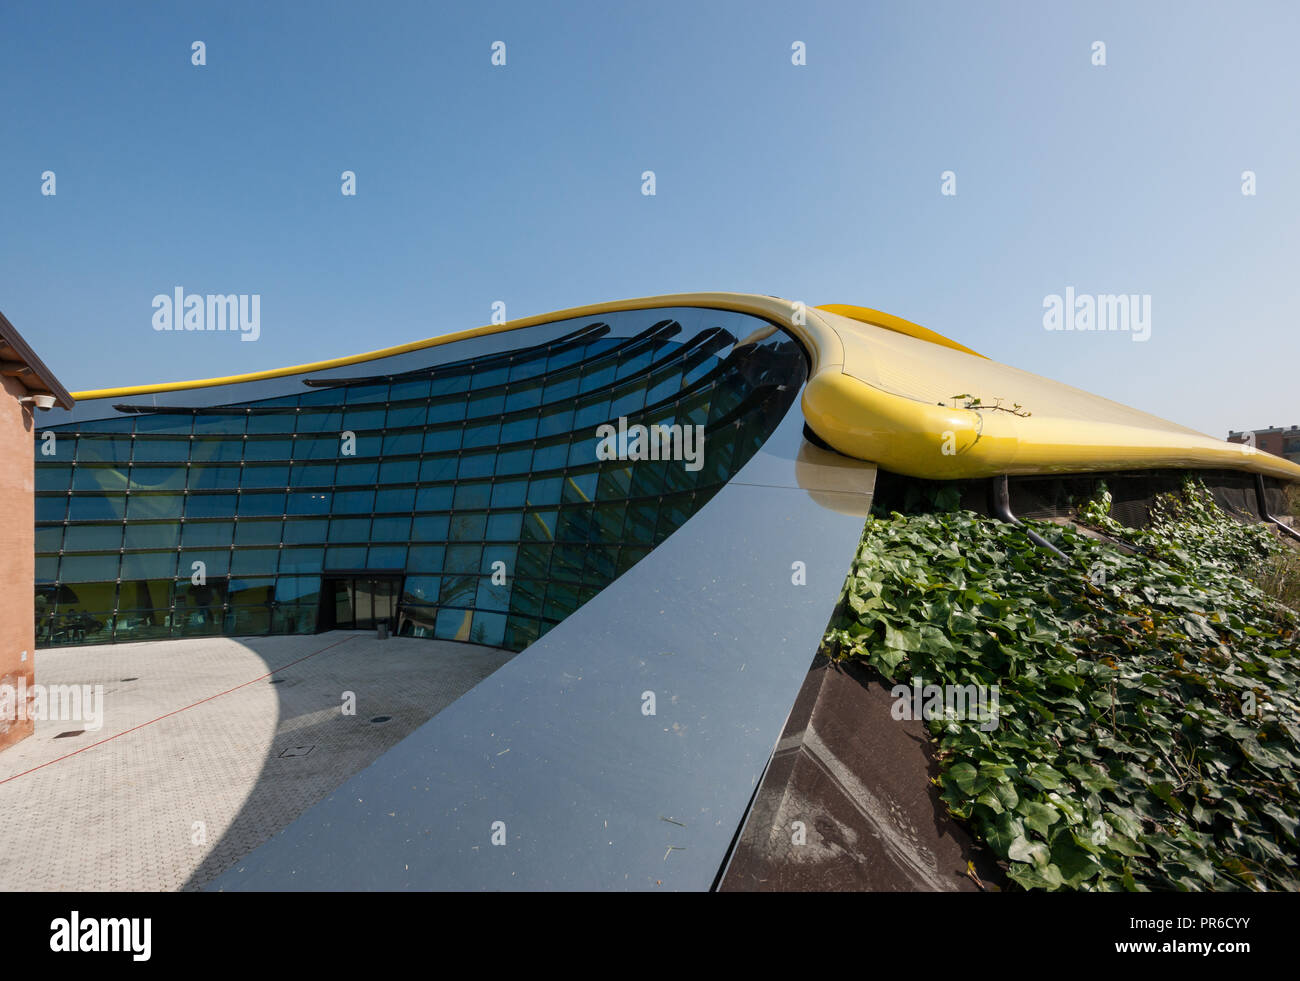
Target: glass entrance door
<point>359,602</point>
<point>373,601</point>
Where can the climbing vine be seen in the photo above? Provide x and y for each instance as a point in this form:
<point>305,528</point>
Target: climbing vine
<point>1148,732</point>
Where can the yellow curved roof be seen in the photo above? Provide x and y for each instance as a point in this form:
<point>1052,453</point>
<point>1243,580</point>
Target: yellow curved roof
<point>879,318</point>
<point>915,402</point>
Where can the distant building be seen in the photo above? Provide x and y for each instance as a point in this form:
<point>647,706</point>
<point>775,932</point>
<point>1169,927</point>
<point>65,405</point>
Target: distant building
<point>1275,439</point>
<point>26,385</point>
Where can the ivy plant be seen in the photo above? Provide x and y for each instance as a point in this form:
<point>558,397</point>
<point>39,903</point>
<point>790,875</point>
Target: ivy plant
<point>1147,734</point>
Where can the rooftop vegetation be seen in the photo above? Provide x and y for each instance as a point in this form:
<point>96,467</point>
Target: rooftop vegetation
<point>1148,736</point>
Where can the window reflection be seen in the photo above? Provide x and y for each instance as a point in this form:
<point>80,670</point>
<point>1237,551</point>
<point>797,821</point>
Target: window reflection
<point>475,483</point>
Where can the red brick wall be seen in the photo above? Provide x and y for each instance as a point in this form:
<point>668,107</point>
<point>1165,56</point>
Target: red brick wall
<point>17,552</point>
<point>1269,443</point>
<point>1274,443</point>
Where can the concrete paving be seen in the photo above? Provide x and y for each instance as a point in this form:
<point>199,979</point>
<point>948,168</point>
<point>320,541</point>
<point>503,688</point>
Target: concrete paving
<point>208,747</point>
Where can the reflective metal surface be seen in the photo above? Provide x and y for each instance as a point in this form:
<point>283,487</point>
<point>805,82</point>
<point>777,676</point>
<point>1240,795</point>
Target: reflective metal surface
<point>556,755</point>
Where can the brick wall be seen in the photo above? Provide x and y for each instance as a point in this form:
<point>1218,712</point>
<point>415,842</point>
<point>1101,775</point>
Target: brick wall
<point>17,556</point>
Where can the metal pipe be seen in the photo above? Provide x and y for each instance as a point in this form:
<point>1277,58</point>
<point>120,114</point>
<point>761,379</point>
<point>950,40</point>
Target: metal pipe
<point>1000,508</point>
<point>1263,509</point>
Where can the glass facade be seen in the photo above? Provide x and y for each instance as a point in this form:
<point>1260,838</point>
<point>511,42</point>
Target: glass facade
<point>476,499</point>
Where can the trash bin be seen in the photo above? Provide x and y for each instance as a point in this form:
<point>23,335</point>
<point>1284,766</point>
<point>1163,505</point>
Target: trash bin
<point>382,631</point>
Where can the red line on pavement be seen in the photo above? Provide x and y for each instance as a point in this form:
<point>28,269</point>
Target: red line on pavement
<point>184,708</point>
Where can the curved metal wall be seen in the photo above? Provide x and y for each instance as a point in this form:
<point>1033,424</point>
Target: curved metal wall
<point>435,471</point>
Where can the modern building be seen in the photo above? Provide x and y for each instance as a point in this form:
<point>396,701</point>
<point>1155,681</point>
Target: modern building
<point>1278,440</point>
<point>659,498</point>
<point>29,388</point>
<point>460,487</point>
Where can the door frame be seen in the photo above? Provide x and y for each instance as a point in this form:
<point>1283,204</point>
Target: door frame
<point>332,578</point>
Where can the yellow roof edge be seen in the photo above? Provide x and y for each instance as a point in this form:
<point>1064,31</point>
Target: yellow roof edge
<point>939,442</point>
<point>864,422</point>
<point>768,307</point>
<point>878,318</point>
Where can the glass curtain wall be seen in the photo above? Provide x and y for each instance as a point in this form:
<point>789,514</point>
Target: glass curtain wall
<point>478,494</point>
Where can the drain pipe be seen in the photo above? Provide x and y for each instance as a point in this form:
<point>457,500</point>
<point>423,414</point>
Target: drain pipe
<point>1000,508</point>
<point>1263,509</point>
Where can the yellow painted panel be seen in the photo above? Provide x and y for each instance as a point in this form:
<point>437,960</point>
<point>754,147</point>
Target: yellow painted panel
<point>887,320</point>
<point>905,402</point>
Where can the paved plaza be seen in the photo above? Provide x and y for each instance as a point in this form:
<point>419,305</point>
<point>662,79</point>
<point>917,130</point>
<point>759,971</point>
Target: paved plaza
<point>207,748</point>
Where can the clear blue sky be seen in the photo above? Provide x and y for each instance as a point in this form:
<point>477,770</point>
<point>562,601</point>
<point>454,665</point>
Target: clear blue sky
<point>522,183</point>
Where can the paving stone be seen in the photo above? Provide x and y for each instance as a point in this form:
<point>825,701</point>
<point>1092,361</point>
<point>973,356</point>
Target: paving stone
<point>186,775</point>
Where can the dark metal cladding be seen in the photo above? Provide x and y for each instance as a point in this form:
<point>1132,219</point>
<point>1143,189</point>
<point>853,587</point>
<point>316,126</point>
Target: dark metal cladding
<point>847,802</point>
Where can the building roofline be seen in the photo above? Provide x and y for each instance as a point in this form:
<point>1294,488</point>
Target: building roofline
<point>32,367</point>
<point>848,404</point>
<point>739,302</point>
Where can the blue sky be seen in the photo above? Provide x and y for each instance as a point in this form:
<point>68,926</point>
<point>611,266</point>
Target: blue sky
<point>523,183</point>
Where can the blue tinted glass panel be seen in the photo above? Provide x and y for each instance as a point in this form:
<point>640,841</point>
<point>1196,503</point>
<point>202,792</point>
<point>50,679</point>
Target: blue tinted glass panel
<point>505,526</point>
<point>469,496</point>
<point>161,450</point>
<point>300,559</point>
<point>311,475</point>
<point>401,444</point>
<point>399,472</point>
<point>357,474</point>
<point>89,568</point>
<point>274,476</point>
<point>216,562</point>
<point>158,478</point>
<point>345,557</point>
<point>207,533</point>
<point>390,530</point>
<point>434,498</point>
<point>386,557</point>
<point>93,538</point>
<point>354,502</point>
<point>50,508</point>
<point>88,507</point>
<point>53,478</point>
<point>453,624</point>
<point>260,503</point>
<point>152,536</point>
<point>254,561</point>
<point>463,558</point>
<point>350,530</point>
<point>210,505</point>
<point>148,565</point>
<point>402,499</point>
<point>425,558</point>
<point>430,528</point>
<point>301,532</point>
<point>268,449</point>
<point>257,533</point>
<point>468,527</point>
<point>308,502</point>
<point>213,478</point>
